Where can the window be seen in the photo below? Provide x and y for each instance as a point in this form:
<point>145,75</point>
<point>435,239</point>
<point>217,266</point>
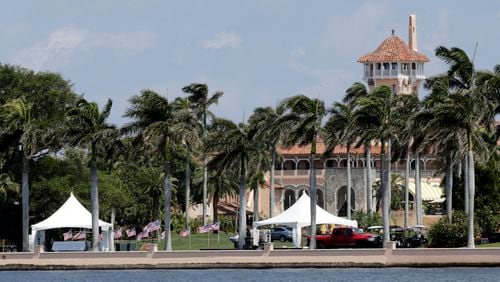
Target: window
<point>394,66</point>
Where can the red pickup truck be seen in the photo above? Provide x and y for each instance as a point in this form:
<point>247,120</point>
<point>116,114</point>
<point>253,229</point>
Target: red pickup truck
<point>347,237</point>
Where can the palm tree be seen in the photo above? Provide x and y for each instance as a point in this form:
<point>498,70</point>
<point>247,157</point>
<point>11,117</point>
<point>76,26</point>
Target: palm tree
<point>459,78</point>
<point>223,182</point>
<point>469,113</point>
<point>17,114</point>
<point>189,129</point>
<point>198,96</point>
<point>233,145</point>
<point>302,116</point>
<point>154,124</point>
<point>266,121</point>
<point>365,134</point>
<point>376,111</point>
<point>407,108</point>
<point>339,130</point>
<point>88,127</point>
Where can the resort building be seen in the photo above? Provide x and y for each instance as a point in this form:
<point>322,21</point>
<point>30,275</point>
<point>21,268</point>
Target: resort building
<point>397,65</point>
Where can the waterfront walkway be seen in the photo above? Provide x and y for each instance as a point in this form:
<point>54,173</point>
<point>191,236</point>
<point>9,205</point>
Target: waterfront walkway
<point>267,258</point>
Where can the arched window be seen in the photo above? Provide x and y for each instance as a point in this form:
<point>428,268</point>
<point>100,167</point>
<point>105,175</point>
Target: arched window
<point>289,198</point>
<point>342,201</point>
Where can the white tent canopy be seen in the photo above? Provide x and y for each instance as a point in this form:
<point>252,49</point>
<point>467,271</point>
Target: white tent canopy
<point>299,215</point>
<point>72,214</point>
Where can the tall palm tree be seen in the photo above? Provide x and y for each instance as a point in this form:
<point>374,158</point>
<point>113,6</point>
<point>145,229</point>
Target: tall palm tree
<point>88,127</point>
<point>468,112</point>
<point>339,130</point>
<point>189,129</point>
<point>199,97</point>
<point>303,116</point>
<point>458,79</point>
<point>233,145</point>
<point>17,115</point>
<point>376,111</point>
<point>154,123</point>
<point>266,121</point>
<point>407,108</point>
<point>365,134</point>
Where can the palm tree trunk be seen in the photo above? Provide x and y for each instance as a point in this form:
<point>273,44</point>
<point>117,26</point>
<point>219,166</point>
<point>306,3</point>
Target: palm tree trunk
<point>349,204</point>
<point>383,188</point>
<point>386,194</point>
<point>271,189</point>
<point>466,185</point>
<point>256,204</point>
<point>205,170</point>
<point>312,192</point>
<point>188,181</point>
<point>449,184</point>
<point>167,190</point>
<point>215,204</point>
<point>25,192</point>
<point>369,179</point>
<point>243,205</point>
<point>94,199</point>
<point>389,177</point>
<point>156,206</point>
<point>256,192</point>
<point>418,190</point>
<point>407,184</point>
<point>472,186</point>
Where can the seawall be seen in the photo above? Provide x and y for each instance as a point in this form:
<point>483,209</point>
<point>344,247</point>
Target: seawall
<point>267,258</point>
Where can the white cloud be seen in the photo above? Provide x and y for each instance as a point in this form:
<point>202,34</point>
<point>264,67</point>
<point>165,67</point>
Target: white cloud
<point>223,40</point>
<point>64,42</point>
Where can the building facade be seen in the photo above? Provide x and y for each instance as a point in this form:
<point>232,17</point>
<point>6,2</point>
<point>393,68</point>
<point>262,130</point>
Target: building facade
<point>400,67</point>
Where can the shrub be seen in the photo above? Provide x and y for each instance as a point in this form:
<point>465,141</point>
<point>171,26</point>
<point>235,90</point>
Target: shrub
<point>445,234</point>
<point>364,220</point>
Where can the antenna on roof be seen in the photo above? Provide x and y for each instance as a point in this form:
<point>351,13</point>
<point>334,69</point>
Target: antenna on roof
<point>392,31</point>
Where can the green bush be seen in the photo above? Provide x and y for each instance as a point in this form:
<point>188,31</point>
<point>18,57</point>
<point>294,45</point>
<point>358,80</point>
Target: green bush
<point>364,220</point>
<point>445,234</point>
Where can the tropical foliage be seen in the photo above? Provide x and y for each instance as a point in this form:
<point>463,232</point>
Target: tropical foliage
<point>175,153</point>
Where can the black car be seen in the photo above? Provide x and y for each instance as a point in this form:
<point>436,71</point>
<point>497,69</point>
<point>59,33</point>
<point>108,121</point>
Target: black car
<point>282,233</point>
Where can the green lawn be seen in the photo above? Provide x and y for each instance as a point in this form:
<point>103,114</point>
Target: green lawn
<point>492,245</point>
<point>203,241</point>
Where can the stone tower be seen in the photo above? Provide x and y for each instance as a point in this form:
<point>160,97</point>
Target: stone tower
<point>396,64</point>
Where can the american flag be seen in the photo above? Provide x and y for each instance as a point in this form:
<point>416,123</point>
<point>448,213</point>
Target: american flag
<point>130,232</point>
<point>118,233</point>
<point>205,228</point>
<point>146,228</point>
<point>142,234</point>
<point>215,226</point>
<point>153,226</point>
<point>184,232</point>
<point>82,235</point>
<point>68,235</point>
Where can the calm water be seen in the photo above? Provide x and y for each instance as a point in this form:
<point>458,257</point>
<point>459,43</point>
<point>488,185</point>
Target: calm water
<point>225,275</point>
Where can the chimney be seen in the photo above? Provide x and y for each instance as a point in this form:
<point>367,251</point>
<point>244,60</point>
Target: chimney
<point>412,33</point>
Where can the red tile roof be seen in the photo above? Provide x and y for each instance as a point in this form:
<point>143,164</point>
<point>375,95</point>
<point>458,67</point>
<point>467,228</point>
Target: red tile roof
<point>393,49</point>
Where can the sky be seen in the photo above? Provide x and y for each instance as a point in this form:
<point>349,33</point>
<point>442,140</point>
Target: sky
<point>256,52</point>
